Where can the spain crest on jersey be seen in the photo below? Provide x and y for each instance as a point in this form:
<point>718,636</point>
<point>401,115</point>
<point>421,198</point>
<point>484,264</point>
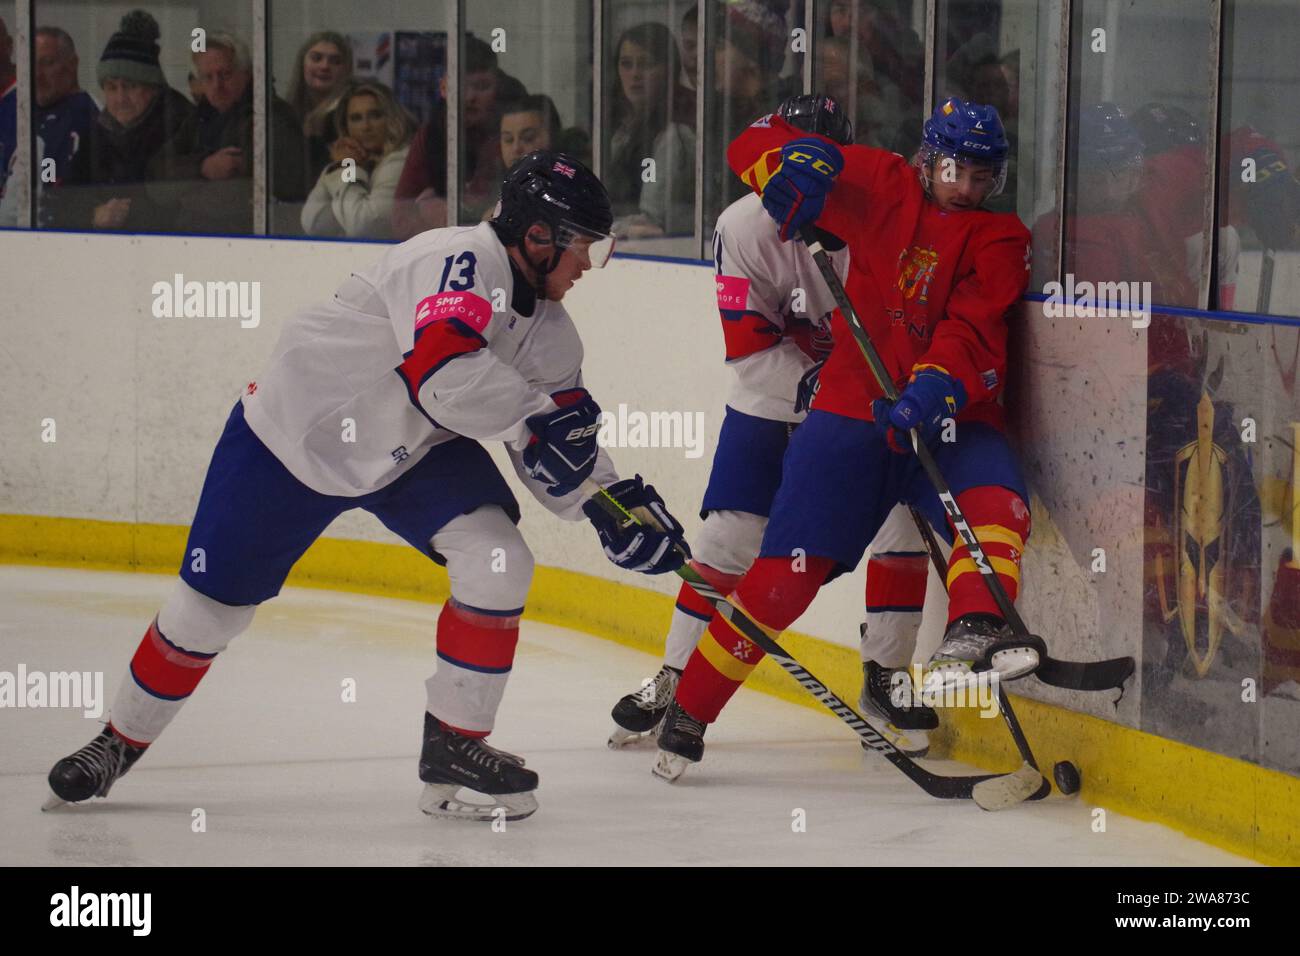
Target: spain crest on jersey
<point>915,271</point>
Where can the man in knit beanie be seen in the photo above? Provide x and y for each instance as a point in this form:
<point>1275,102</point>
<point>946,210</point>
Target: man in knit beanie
<point>141,113</point>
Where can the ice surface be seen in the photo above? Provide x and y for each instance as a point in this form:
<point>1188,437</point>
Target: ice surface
<point>288,773</point>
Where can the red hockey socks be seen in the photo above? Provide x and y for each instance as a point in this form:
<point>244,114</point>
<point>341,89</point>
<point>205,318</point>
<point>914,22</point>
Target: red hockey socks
<point>476,650</point>
<point>692,615</point>
<point>773,593</point>
<point>1000,521</point>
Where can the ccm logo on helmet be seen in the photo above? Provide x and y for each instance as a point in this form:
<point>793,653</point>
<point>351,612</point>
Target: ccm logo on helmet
<point>584,432</point>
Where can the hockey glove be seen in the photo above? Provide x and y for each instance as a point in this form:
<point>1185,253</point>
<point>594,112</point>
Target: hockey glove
<point>562,452</point>
<point>807,390</point>
<point>654,547</point>
<point>931,396</point>
<point>796,192</point>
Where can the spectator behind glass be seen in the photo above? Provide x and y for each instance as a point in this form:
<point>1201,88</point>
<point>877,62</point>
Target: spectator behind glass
<point>357,200</point>
<point>422,191</point>
<point>653,119</point>
<point>62,117</point>
<point>214,147</point>
<point>528,124</point>
<point>749,53</point>
<point>878,120</point>
<point>8,105</point>
<point>322,71</point>
<point>689,41</point>
<point>895,49</point>
<point>141,113</point>
<point>195,88</point>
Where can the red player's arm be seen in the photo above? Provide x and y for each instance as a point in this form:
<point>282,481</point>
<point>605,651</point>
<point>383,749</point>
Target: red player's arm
<point>755,155</point>
<point>971,343</point>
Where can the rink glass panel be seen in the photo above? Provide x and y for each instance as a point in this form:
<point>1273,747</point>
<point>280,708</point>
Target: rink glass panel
<point>750,66</point>
<point>871,58</point>
<point>136,191</point>
<point>1259,197</point>
<point>1008,54</point>
<point>542,48</point>
<point>1137,187</point>
<point>648,136</point>
<point>400,43</point>
<point>1221,617</point>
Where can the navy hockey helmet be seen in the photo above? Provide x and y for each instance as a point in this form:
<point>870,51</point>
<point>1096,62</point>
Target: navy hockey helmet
<point>1164,128</point>
<point>968,133</point>
<point>558,190</point>
<point>814,113</point>
<point>1108,140</point>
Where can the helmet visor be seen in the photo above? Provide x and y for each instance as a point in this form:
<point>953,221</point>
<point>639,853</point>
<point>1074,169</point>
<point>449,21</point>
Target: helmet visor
<point>597,247</point>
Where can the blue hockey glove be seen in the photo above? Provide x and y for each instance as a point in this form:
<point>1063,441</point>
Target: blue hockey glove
<point>807,390</point>
<point>653,547</point>
<point>796,192</point>
<point>931,396</point>
<point>562,452</point>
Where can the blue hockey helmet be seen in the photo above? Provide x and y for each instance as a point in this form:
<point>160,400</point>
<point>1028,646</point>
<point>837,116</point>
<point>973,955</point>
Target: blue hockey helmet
<point>969,133</point>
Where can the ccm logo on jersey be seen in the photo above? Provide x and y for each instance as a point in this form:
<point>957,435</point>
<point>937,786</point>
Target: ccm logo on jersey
<point>475,311</point>
<point>584,432</point>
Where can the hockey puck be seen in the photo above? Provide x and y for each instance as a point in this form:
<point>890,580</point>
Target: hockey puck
<point>1067,777</point>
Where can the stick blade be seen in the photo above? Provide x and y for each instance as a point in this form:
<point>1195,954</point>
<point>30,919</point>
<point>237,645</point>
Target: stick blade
<point>1009,789</point>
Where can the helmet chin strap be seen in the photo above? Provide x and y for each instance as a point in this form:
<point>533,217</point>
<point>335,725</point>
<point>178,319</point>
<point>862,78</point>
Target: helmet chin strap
<point>539,284</point>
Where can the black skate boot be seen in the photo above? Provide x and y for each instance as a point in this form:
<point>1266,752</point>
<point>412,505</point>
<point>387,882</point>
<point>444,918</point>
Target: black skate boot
<point>980,643</point>
<point>892,705</point>
<point>92,770</point>
<point>681,741</point>
<point>449,761</point>
<point>637,714</point>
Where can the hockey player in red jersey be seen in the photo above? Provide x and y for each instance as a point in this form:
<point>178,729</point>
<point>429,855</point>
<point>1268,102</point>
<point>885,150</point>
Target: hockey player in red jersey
<point>933,276</point>
<point>775,312</point>
<point>455,336</point>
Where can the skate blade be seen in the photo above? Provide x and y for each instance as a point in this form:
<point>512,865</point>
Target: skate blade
<point>440,800</point>
<point>1008,665</point>
<point>620,737</point>
<point>53,802</point>
<point>669,766</point>
<point>1008,790</point>
<point>914,743</point>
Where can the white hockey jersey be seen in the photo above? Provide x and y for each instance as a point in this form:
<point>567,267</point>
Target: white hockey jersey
<point>774,306</point>
<point>435,339</point>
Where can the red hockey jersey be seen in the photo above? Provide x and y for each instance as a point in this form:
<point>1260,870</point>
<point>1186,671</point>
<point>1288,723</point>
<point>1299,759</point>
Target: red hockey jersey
<point>931,288</point>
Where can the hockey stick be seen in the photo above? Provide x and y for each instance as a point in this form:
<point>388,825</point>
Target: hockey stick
<point>1028,781</point>
<point>1265,294</point>
<point>985,789</point>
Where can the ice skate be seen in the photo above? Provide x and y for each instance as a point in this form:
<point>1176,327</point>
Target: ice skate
<point>891,706</point>
<point>450,761</point>
<point>639,713</point>
<point>92,770</point>
<point>681,742</point>
<point>983,644</point>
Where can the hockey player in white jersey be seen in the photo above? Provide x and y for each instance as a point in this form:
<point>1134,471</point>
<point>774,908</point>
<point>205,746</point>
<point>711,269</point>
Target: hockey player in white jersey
<point>454,337</point>
<point>775,312</point>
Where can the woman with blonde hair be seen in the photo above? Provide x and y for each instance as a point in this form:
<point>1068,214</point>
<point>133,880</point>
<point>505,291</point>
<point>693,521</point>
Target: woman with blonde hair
<point>321,72</point>
<point>355,193</point>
